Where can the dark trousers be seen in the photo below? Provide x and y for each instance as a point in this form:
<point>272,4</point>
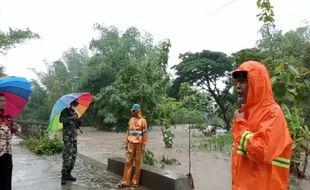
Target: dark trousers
<point>6,167</point>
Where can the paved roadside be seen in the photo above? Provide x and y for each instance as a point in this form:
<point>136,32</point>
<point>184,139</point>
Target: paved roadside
<point>32,172</point>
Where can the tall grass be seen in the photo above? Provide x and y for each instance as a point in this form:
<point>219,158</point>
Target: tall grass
<point>220,143</point>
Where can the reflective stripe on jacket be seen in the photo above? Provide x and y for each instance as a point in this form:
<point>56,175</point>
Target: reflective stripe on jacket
<point>137,130</point>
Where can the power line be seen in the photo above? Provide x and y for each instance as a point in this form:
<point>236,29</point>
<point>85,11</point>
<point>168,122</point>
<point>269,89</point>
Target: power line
<point>218,9</point>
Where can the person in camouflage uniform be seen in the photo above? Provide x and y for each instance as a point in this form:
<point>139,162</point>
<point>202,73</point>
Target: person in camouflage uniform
<point>71,123</point>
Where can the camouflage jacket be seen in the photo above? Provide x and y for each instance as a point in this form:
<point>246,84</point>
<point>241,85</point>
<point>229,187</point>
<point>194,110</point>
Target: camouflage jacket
<point>70,125</point>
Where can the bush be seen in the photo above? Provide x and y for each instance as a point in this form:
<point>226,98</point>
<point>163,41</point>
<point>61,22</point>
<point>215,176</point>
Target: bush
<point>148,158</point>
<point>43,145</point>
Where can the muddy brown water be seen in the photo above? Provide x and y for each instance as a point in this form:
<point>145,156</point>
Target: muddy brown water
<point>210,170</point>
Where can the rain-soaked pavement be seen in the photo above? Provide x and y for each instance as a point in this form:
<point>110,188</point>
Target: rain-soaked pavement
<point>32,172</point>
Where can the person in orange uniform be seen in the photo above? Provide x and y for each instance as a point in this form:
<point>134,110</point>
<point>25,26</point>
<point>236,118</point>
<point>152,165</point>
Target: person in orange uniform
<point>262,142</point>
<point>136,140</point>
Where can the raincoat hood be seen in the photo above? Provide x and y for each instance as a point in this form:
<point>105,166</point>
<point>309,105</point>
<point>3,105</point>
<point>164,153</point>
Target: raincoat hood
<point>259,84</point>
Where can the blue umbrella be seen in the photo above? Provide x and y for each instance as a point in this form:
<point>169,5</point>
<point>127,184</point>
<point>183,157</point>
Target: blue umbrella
<point>17,91</point>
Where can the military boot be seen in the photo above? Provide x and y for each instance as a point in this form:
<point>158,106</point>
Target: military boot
<point>63,179</point>
<point>70,177</point>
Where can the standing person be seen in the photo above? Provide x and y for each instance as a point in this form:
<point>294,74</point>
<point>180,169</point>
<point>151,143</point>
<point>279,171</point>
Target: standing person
<point>262,143</point>
<point>7,128</point>
<point>136,140</point>
<point>71,123</point>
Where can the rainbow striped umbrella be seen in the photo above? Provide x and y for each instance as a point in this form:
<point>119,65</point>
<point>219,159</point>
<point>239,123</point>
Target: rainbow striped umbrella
<point>84,99</point>
<point>17,91</point>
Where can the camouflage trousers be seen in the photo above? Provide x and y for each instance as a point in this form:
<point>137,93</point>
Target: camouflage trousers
<point>69,156</point>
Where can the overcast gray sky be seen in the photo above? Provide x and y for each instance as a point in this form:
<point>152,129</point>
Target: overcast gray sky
<point>191,25</point>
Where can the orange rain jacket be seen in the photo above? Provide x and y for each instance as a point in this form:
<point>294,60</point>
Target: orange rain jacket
<point>262,143</point>
<point>137,130</point>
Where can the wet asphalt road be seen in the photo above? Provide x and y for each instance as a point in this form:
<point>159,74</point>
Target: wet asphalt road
<point>32,172</point>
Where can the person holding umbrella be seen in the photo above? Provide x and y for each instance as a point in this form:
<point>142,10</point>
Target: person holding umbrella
<point>71,123</point>
<point>65,115</point>
<point>14,94</point>
<point>7,127</point>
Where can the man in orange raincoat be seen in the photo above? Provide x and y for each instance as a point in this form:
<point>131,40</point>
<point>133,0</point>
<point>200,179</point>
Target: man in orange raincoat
<point>262,143</point>
<point>136,139</point>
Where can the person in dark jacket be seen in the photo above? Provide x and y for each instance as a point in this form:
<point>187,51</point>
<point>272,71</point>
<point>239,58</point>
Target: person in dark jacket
<point>71,123</point>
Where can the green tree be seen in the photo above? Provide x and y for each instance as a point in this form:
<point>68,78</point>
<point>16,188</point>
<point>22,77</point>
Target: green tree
<point>62,77</point>
<point>246,55</point>
<point>9,39</point>
<point>208,71</point>
<point>266,15</point>
<point>76,62</point>
<point>56,81</point>
<point>136,82</point>
<point>12,37</point>
<point>36,110</point>
<point>112,51</point>
<point>287,55</point>
<point>127,67</point>
<point>287,60</point>
<point>194,99</point>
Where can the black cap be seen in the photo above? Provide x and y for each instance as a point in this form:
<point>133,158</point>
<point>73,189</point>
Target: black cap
<point>240,75</point>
